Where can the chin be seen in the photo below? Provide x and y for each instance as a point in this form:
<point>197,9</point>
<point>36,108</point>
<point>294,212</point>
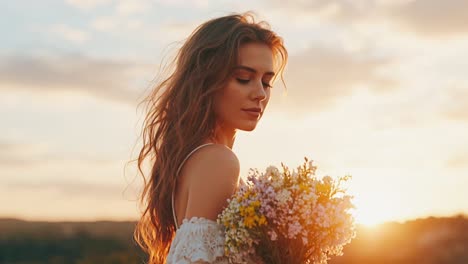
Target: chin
<point>248,127</point>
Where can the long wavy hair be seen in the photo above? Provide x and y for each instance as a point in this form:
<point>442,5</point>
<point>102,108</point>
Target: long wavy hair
<point>180,115</point>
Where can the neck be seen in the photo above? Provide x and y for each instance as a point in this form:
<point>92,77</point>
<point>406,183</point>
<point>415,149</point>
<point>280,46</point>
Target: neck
<point>224,136</point>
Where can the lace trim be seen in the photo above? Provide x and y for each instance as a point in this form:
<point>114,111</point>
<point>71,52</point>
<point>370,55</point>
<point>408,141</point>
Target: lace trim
<point>197,239</point>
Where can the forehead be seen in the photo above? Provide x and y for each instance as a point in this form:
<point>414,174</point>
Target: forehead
<point>256,55</point>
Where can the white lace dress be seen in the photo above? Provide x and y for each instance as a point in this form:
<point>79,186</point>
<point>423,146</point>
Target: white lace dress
<point>197,240</point>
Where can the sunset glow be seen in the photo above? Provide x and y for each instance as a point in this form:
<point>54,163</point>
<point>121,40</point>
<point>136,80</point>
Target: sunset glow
<point>374,89</point>
<point>371,214</point>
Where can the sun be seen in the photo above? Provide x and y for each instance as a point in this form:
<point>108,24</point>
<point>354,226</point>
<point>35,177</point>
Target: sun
<point>369,218</point>
<point>371,213</point>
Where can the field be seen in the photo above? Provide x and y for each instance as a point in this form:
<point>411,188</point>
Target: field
<point>429,240</point>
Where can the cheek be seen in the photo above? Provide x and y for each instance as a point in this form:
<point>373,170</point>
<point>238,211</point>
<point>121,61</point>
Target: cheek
<point>234,88</point>
<point>234,93</point>
<point>227,101</point>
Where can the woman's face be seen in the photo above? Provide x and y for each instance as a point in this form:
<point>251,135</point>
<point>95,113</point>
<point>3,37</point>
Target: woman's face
<point>249,87</point>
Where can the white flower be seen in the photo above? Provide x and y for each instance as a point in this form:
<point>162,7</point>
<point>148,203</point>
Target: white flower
<point>272,170</point>
<point>327,179</point>
<point>277,184</point>
<point>283,197</point>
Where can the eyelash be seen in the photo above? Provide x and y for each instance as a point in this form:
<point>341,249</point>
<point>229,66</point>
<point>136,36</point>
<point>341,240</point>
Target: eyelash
<point>242,81</point>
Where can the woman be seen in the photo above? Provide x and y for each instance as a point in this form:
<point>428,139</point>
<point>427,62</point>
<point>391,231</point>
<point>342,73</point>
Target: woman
<point>221,83</point>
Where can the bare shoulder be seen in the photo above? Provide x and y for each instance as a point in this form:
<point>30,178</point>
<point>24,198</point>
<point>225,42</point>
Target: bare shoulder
<point>212,158</point>
<point>212,174</point>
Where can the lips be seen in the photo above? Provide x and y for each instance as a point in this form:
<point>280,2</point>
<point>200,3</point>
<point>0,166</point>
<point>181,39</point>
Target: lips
<point>254,109</point>
<point>255,113</point>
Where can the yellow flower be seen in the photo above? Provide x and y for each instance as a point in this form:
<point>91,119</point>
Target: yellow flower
<point>242,210</point>
<point>249,222</point>
<point>303,187</point>
<point>255,203</point>
<point>262,221</point>
<point>323,188</point>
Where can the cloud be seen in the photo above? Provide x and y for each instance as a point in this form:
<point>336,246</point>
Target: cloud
<point>130,7</point>
<point>458,161</point>
<point>70,34</point>
<point>177,30</point>
<point>429,18</point>
<point>121,18</point>
<point>70,188</point>
<point>20,154</point>
<point>75,173</point>
<point>120,7</point>
<point>185,3</point>
<point>456,106</point>
<point>116,24</point>
<point>104,79</point>
<point>105,23</point>
<point>87,4</point>
<point>433,18</point>
<point>320,75</point>
<point>26,155</point>
<point>328,10</point>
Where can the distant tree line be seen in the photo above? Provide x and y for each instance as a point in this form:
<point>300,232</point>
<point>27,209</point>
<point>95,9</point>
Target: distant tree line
<point>422,241</point>
<point>75,243</point>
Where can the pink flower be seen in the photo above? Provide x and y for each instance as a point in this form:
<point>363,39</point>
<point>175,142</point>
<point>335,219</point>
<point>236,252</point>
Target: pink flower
<point>273,235</point>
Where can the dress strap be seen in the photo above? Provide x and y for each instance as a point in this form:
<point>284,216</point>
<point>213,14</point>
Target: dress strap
<point>177,174</point>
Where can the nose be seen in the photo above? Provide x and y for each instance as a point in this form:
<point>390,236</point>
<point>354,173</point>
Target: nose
<point>259,91</point>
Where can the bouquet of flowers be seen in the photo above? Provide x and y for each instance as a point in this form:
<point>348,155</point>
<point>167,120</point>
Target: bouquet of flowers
<point>289,217</point>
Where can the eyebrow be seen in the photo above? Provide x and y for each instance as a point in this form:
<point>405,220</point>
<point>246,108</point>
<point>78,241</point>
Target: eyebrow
<point>252,69</point>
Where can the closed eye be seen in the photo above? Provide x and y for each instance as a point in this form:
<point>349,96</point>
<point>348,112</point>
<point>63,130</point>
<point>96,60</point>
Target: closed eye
<point>245,81</point>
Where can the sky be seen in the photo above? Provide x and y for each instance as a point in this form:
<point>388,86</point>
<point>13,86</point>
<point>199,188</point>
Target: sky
<point>374,89</point>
